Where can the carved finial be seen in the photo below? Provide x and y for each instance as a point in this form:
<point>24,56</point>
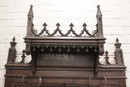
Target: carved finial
<point>118,53</point>
<point>12,51</point>
<point>99,14</point>
<point>57,24</point>
<point>31,6</point>
<point>99,22</point>
<point>106,52</point>
<point>13,43</point>
<point>23,56</point>
<point>84,25</point>
<point>117,40</point>
<point>44,24</point>
<point>30,13</point>
<point>98,6</point>
<point>106,57</point>
<point>13,39</point>
<point>30,22</point>
<point>71,25</point>
<point>117,44</point>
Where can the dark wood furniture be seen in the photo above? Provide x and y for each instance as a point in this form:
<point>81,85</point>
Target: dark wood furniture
<point>68,59</point>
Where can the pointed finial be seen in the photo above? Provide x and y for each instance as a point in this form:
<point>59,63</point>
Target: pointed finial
<point>98,6</point>
<point>71,25</point>
<point>106,57</point>
<point>44,24</point>
<point>23,51</point>
<point>13,39</point>
<point>13,43</point>
<point>117,40</point>
<point>31,6</point>
<point>57,24</point>
<point>84,25</point>
<point>99,14</point>
<point>106,52</point>
<point>117,44</point>
<point>30,13</point>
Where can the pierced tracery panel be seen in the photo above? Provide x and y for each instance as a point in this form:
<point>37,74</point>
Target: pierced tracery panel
<point>46,32</point>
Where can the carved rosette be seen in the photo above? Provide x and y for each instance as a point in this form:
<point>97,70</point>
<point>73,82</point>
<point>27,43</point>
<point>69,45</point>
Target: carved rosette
<point>12,52</point>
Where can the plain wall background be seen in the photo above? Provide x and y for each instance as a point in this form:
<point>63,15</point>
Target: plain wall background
<point>13,22</point>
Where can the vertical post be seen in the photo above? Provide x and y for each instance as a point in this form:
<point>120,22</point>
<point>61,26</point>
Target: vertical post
<point>118,53</point>
<point>29,28</point>
<point>33,66</point>
<point>96,58</point>
<point>99,22</point>
<point>100,29</point>
<point>30,22</point>
<point>34,56</point>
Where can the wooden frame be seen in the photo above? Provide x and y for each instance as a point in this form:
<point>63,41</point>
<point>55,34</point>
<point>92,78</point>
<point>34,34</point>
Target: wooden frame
<point>67,60</point>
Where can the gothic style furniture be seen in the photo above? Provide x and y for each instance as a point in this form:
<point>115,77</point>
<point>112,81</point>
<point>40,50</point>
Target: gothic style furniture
<point>65,59</point>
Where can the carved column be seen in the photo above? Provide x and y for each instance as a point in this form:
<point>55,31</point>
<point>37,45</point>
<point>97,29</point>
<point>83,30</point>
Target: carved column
<point>30,22</point>
<point>100,29</point>
<point>99,22</point>
<point>118,53</point>
<point>12,52</point>
<point>29,28</point>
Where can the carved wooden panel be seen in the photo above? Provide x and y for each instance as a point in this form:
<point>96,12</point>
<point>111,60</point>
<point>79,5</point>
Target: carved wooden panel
<point>65,60</point>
